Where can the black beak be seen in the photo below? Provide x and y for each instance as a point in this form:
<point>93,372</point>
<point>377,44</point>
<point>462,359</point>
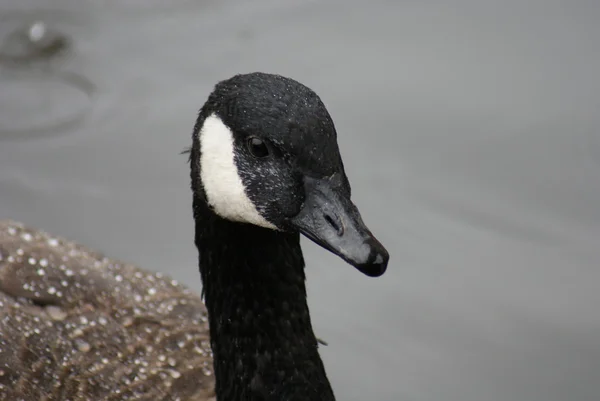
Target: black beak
<point>331,220</point>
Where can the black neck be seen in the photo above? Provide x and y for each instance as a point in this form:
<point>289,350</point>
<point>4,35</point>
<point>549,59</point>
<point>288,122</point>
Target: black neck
<point>262,339</point>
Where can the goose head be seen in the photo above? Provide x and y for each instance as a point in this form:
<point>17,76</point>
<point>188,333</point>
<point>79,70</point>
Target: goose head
<point>265,153</point>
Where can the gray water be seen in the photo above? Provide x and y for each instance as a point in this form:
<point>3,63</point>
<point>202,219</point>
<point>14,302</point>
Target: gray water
<point>470,132</point>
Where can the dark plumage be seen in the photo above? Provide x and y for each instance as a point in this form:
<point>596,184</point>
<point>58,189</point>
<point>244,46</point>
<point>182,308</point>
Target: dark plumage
<point>149,337</point>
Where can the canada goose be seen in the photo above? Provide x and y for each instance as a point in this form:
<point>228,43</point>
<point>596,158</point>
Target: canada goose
<point>265,167</point>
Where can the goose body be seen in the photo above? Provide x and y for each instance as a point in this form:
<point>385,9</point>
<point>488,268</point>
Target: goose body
<point>77,326</point>
<point>265,168</point>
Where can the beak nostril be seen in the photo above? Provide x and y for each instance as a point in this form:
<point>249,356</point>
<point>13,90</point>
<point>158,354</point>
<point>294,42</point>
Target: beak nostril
<point>335,223</point>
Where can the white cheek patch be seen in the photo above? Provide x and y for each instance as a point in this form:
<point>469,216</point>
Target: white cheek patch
<point>223,186</point>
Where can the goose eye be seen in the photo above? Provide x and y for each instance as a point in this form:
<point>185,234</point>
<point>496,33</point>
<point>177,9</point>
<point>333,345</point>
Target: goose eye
<point>257,147</point>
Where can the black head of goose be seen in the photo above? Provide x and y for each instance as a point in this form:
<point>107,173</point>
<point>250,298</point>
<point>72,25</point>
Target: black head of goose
<point>265,168</point>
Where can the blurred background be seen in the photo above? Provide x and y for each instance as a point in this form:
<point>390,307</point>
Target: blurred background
<point>469,130</point>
